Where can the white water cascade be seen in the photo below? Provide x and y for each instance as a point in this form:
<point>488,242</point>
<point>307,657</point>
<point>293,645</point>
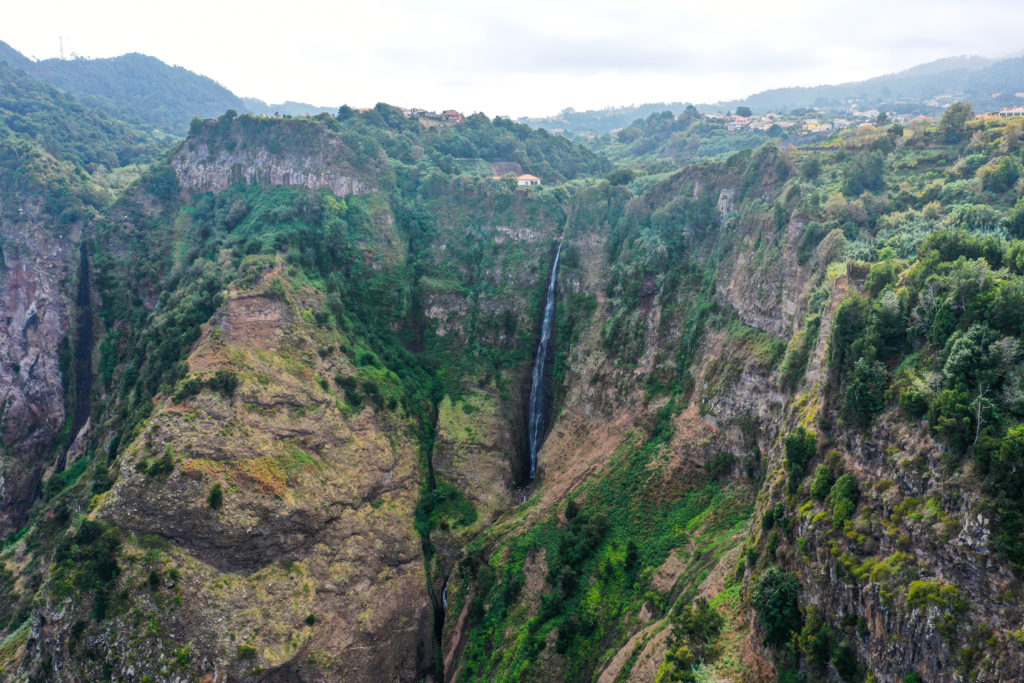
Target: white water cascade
<point>535,414</point>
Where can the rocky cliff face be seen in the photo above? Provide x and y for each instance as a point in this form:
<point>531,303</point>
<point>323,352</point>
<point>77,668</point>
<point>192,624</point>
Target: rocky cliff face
<point>308,567</point>
<point>909,584</point>
<point>912,580</point>
<point>35,265</point>
<point>322,480</point>
<point>299,152</point>
<point>201,169</point>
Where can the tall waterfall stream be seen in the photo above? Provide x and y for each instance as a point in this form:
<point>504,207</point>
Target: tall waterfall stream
<point>536,411</point>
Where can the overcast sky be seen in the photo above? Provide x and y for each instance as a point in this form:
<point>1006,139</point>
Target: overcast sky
<point>521,57</point>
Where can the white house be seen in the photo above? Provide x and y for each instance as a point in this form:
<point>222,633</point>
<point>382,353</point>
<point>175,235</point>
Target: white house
<point>527,179</point>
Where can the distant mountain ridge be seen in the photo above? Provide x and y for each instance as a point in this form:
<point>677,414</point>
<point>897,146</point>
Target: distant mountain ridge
<point>288,108</point>
<point>143,90</point>
<point>989,84</point>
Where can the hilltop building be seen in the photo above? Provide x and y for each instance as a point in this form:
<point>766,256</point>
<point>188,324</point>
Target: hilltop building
<point>526,180</point>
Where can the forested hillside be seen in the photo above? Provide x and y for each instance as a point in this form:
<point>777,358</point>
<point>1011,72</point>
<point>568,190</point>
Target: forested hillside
<point>266,394</point>
<point>69,130</point>
<point>144,91</point>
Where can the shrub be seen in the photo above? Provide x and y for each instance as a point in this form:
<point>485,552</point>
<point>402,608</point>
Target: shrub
<point>842,512</point>
<point>216,497</point>
<point>798,352</point>
<point>951,418</point>
<point>817,640</point>
<point>822,484</point>
<point>850,322</point>
<point>351,388</point>
<point>224,382</point>
<point>1005,484</point>
<point>163,466</point>
<point>945,598</point>
<point>800,446</point>
<point>187,389</point>
<point>444,505</point>
<point>846,488</point>
<point>914,402</point>
<point>246,652</point>
<point>276,290</point>
<point>694,633</point>
<point>1003,176</point>
<point>776,601</point>
<point>846,663</point>
<point>880,276</point>
<point>865,394</point>
<point>720,465</point>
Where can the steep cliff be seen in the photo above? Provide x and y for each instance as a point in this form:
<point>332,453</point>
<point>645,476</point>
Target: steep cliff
<point>269,153</point>
<point>42,214</point>
<point>36,316</point>
<point>785,393</point>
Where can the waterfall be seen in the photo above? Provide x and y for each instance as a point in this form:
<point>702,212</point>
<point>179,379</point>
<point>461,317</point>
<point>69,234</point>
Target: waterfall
<point>536,407</point>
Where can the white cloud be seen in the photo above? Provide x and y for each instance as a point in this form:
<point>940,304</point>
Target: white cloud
<point>527,57</point>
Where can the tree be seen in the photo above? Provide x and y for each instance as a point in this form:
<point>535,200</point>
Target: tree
<point>1006,484</point>
<point>865,172</point>
<point>822,484</point>
<point>953,123</point>
<point>810,168</point>
<point>1003,177</point>
<point>882,118</point>
<point>776,601</point>
<point>800,446</point>
<point>744,111</point>
<point>951,417</point>
<point>694,632</point>
<point>865,395</point>
<point>216,497</point>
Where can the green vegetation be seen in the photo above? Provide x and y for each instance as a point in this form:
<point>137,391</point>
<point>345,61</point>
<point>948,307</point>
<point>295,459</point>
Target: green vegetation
<point>68,130</point>
<point>598,562</point>
<point>775,599</point>
<point>428,287</point>
<point>246,652</point>
<point>443,506</point>
<point>85,562</point>
<point>664,141</point>
<point>216,497</point>
<point>800,448</point>
<point>798,352</point>
<point>844,499</point>
<point>957,307</point>
<point>695,630</point>
<point>138,89</point>
<point>822,483</point>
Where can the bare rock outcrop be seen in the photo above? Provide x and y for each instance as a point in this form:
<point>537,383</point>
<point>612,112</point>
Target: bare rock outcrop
<point>34,318</point>
<point>201,167</point>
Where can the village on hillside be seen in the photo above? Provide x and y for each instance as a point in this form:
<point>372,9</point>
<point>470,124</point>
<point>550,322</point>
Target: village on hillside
<point>818,123</point>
